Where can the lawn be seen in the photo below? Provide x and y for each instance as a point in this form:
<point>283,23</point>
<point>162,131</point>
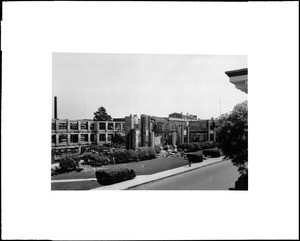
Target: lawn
<point>86,185</point>
<point>141,168</point>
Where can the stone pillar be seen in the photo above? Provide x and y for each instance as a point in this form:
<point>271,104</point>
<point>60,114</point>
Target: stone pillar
<point>68,139</point>
<point>106,136</point>
<point>89,137</point>
<point>152,138</point>
<point>56,139</point>
<point>188,134</point>
<point>79,126</point>
<point>173,138</point>
<point>68,126</point>
<point>97,126</point>
<point>182,135</point>
<point>208,131</point>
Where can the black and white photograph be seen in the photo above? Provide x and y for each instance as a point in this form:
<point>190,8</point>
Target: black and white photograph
<point>124,120</point>
<point>149,122</point>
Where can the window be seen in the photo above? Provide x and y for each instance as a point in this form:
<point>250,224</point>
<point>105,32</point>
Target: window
<point>102,137</point>
<point>84,126</point>
<point>118,126</point>
<point>53,126</point>
<point>102,126</point>
<point>74,138</point>
<point>62,138</point>
<point>62,126</point>
<point>73,126</point>
<point>53,139</point>
<point>110,126</point>
<point>202,137</point>
<point>110,137</point>
<point>92,136</point>
<point>211,137</point>
<point>92,126</point>
<point>84,137</point>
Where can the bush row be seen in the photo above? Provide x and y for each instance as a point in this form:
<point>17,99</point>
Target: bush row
<point>195,156</point>
<point>214,152</point>
<point>96,160</point>
<point>125,156</point>
<point>193,147</point>
<point>146,153</point>
<point>111,176</point>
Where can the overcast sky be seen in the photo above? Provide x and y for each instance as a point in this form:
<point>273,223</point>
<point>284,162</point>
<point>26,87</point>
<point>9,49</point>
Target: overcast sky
<point>153,84</point>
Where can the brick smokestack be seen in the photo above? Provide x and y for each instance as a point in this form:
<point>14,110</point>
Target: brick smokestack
<point>55,107</point>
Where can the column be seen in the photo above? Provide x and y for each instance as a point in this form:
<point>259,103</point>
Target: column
<point>68,139</point>
<point>151,138</point>
<point>79,125</point>
<point>182,135</point>
<point>208,131</point>
<point>173,138</point>
<point>89,137</point>
<point>188,134</point>
<point>56,139</point>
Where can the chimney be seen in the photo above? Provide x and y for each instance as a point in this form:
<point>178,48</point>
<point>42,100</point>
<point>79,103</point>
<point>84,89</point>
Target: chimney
<point>55,107</point>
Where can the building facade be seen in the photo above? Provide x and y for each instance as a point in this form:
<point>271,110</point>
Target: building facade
<point>84,132</point>
<point>154,131</point>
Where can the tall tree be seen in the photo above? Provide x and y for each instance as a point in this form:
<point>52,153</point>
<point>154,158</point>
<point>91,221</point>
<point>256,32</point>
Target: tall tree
<point>101,115</point>
<point>232,135</point>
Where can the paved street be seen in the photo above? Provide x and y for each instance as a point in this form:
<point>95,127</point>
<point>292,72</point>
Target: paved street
<point>221,176</point>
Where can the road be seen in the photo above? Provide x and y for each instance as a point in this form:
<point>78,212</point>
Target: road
<point>221,176</point>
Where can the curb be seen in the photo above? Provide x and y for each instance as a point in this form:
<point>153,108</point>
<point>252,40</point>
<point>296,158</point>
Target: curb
<point>147,182</point>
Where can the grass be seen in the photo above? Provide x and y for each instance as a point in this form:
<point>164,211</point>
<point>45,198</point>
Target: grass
<point>141,168</point>
<point>86,185</point>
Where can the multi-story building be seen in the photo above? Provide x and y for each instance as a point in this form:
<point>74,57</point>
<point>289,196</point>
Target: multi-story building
<point>175,129</point>
<point>84,132</point>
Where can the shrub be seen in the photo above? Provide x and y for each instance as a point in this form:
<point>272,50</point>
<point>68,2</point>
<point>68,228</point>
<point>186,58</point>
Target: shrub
<point>125,156</point>
<point>157,149</point>
<point>188,147</point>
<point>213,152</point>
<point>111,176</point>
<point>195,157</point>
<point>94,160</point>
<point>146,153</point>
<point>68,164</point>
<point>166,147</point>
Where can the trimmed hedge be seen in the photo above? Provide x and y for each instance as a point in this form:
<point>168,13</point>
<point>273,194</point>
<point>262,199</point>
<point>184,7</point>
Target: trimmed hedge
<point>193,147</point>
<point>125,156</point>
<point>195,157</point>
<point>214,152</point>
<point>146,153</point>
<point>111,176</point>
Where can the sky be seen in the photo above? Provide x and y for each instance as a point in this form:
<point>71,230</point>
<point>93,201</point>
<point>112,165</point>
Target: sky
<point>153,84</point>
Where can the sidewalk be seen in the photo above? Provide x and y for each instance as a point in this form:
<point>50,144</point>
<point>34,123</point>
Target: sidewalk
<point>142,179</point>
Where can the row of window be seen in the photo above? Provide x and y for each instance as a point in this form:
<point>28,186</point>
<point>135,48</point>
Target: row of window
<point>84,126</point>
<point>63,138</point>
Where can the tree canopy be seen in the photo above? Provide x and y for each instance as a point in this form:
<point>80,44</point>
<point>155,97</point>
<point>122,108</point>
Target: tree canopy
<point>232,135</point>
<point>101,115</point>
